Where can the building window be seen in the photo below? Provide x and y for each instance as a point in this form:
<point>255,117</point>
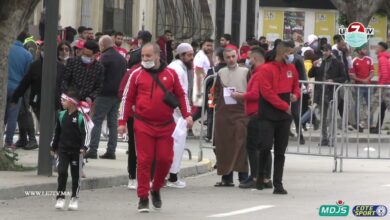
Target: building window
<point>117,16</point>
<point>236,20</point>
<point>219,19</point>
<point>250,18</point>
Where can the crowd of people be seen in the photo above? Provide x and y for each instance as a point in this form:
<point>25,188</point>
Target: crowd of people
<point>155,91</point>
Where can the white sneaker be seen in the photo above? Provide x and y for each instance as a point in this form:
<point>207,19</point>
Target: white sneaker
<point>178,184</point>
<point>60,204</point>
<point>73,204</point>
<point>132,184</point>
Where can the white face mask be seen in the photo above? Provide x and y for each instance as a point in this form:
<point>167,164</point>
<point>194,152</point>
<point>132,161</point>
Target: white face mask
<point>148,64</point>
<point>66,58</point>
<point>42,53</point>
<point>248,63</point>
<point>86,60</point>
<point>290,59</point>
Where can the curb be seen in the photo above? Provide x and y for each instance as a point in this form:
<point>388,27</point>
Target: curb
<point>202,167</point>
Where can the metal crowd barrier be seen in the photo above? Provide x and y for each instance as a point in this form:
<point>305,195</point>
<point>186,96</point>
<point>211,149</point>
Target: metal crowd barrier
<point>343,118</point>
<point>363,144</point>
<point>202,142</point>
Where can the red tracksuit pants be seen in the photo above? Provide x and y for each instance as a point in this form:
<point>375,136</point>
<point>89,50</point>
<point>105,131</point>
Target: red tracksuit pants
<point>152,143</point>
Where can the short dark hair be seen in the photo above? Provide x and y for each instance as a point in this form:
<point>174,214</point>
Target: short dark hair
<point>89,29</point>
<point>92,45</point>
<point>326,47</point>
<point>283,45</point>
<point>337,38</point>
<point>383,45</point>
<point>258,50</point>
<point>207,40</point>
<point>73,93</point>
<point>81,29</point>
<point>22,36</point>
<point>262,38</point>
<point>227,37</point>
<point>167,31</point>
<point>219,53</point>
<point>118,33</point>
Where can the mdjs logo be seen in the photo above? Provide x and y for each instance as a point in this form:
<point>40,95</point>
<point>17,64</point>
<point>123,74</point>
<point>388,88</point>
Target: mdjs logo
<point>356,34</point>
<point>340,209</point>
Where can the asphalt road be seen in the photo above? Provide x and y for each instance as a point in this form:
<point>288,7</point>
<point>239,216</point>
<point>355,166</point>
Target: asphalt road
<point>309,181</point>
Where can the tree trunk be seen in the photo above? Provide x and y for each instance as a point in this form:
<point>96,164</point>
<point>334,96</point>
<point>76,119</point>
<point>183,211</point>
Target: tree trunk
<point>14,15</point>
<point>358,10</point>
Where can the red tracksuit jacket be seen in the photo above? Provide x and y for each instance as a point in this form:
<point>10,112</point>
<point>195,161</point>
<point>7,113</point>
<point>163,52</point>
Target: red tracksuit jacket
<point>277,82</point>
<point>142,92</point>
<point>252,93</point>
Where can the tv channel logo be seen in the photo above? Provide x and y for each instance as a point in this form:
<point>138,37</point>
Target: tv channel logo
<point>356,35</point>
<point>369,211</point>
<point>339,209</point>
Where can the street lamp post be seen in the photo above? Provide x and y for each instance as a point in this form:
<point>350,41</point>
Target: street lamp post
<point>48,88</point>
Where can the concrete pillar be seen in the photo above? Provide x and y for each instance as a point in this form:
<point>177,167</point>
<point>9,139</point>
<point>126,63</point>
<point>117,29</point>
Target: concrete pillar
<point>244,4</point>
<point>228,16</point>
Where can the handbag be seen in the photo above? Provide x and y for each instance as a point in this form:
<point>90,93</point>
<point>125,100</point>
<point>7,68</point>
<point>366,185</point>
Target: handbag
<point>169,98</point>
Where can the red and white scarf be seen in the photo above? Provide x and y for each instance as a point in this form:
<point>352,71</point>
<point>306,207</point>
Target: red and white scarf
<point>84,108</point>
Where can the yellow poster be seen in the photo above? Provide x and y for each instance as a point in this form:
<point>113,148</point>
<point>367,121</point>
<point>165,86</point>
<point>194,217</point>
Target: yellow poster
<point>325,25</point>
<point>379,23</point>
<point>273,24</point>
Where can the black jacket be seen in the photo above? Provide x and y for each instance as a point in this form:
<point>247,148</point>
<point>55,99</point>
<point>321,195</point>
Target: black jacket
<point>87,78</point>
<point>69,137</point>
<point>135,58</point>
<point>343,59</point>
<point>33,80</point>
<point>114,69</point>
<point>335,72</point>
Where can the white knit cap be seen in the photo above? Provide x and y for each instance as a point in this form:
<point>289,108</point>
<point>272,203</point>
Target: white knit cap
<point>184,48</point>
<point>311,38</point>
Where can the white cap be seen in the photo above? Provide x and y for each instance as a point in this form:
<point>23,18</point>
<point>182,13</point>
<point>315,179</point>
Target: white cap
<point>304,49</point>
<point>184,48</point>
<point>311,38</point>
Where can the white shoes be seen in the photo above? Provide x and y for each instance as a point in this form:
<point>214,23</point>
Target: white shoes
<point>60,204</point>
<point>132,184</point>
<point>73,204</point>
<point>178,184</point>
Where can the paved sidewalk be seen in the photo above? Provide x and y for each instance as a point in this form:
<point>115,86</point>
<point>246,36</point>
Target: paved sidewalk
<point>100,173</point>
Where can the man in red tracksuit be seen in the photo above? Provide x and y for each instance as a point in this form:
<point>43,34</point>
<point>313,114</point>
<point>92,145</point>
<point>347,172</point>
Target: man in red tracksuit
<point>279,86</point>
<point>145,98</point>
<point>251,98</point>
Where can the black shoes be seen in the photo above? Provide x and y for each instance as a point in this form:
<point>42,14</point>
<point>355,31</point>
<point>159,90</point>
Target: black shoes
<point>90,155</point>
<point>247,184</point>
<point>108,156</point>
<point>31,145</point>
<point>302,140</point>
<point>156,199</point>
<point>280,191</point>
<point>20,144</point>
<point>143,205</point>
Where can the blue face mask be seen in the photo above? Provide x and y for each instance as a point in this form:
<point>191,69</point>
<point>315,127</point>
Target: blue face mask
<point>86,60</point>
<point>289,59</point>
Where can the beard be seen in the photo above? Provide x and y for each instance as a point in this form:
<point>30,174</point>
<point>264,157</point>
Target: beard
<point>118,44</point>
<point>188,64</point>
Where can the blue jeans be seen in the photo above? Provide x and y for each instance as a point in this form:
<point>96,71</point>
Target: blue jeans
<point>105,106</point>
<point>10,119</point>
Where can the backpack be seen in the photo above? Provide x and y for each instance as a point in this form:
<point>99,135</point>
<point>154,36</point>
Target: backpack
<point>80,119</point>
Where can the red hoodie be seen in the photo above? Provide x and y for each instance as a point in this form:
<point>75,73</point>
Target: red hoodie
<point>384,68</point>
<point>252,93</point>
<point>143,92</point>
<point>277,82</point>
